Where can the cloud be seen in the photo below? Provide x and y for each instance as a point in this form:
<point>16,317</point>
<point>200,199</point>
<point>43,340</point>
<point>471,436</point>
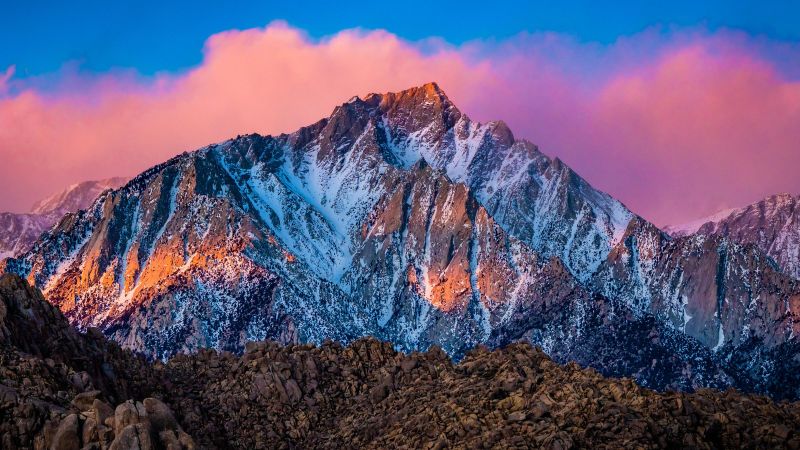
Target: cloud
<point>697,132</point>
<point>674,123</point>
<point>4,78</point>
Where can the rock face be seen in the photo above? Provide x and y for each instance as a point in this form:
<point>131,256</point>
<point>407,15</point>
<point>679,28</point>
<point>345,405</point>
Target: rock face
<point>19,231</point>
<point>713,289</point>
<point>365,395</point>
<point>772,225</point>
<point>398,217</point>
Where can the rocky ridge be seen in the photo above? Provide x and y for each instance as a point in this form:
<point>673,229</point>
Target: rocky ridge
<point>46,364</point>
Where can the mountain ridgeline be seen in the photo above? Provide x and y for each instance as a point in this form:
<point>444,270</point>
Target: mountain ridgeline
<point>398,217</point>
<point>772,224</point>
<point>18,231</point>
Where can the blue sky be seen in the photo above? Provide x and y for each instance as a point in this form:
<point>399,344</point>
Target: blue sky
<point>152,36</point>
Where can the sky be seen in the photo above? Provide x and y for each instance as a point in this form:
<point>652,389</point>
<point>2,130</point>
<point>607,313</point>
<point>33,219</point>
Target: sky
<point>677,109</point>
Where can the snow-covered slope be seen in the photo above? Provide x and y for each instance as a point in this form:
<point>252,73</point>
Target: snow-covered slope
<point>691,227</point>
<point>19,231</point>
<point>401,218</point>
<point>773,225</point>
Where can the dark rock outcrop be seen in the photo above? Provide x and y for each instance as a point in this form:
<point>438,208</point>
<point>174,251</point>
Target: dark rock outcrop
<point>49,372</point>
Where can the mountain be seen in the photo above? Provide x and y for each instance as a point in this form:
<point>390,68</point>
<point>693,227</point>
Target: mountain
<point>398,217</point>
<point>57,388</point>
<point>18,231</point>
<point>76,196</point>
<point>772,224</point>
<point>716,290</point>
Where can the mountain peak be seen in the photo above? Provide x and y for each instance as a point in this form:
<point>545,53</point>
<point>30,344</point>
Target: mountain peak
<point>427,90</point>
<point>432,89</point>
<point>781,198</point>
<point>426,95</point>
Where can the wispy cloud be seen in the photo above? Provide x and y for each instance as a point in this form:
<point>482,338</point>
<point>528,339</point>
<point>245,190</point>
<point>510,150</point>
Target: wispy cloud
<point>4,78</point>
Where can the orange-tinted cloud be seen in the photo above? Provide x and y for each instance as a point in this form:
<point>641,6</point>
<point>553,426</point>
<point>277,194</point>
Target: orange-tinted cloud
<point>673,129</point>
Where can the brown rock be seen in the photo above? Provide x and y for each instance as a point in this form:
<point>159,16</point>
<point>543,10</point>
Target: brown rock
<point>408,364</point>
<point>159,414</point>
<point>293,391</point>
<point>89,431</point>
<point>186,441</point>
<point>85,400</point>
<point>66,437</point>
<point>102,411</point>
<point>133,437</point>
<point>517,416</point>
<point>128,413</point>
<point>169,440</point>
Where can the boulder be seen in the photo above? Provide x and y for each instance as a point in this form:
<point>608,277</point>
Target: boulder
<point>66,437</point>
<point>85,400</point>
<point>159,414</point>
<point>133,437</point>
<point>128,413</point>
<point>102,411</point>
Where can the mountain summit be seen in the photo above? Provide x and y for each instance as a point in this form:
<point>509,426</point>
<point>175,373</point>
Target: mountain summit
<point>399,217</point>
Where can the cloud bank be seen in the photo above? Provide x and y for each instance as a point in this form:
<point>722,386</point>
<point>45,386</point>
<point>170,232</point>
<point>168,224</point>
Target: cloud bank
<point>674,123</point>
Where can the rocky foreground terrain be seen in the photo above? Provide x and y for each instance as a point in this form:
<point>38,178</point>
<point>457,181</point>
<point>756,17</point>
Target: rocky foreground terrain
<point>63,389</point>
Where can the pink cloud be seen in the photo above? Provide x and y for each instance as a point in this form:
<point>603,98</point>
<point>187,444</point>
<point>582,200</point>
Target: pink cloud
<point>674,127</point>
<point>698,132</point>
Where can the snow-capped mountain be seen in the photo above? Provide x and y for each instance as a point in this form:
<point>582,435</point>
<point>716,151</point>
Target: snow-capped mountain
<point>772,224</point>
<point>399,217</point>
<point>18,231</point>
<point>76,196</point>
